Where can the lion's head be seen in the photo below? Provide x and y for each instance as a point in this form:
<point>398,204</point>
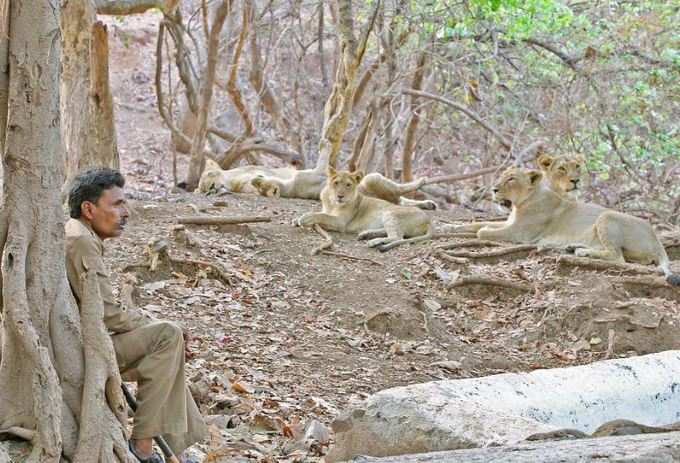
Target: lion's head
<point>343,185</point>
<point>269,187</point>
<point>564,173</point>
<point>211,178</point>
<point>515,185</point>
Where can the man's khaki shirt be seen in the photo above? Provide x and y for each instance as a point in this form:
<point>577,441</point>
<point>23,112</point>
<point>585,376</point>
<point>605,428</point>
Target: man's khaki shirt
<point>85,251</point>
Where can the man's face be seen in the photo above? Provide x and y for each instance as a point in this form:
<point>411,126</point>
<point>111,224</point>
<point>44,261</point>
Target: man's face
<point>108,216</point>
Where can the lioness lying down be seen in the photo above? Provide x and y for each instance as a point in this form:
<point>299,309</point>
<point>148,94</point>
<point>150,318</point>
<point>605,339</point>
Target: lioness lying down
<point>539,215</point>
<point>563,174</point>
<point>238,180</point>
<point>303,184</point>
<point>346,209</point>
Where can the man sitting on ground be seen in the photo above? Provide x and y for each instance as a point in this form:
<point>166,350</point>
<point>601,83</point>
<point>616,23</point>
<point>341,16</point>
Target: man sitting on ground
<point>148,351</point>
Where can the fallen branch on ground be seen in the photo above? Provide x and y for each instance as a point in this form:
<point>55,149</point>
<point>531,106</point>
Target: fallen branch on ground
<point>328,241</point>
<point>221,220</point>
<point>489,281</point>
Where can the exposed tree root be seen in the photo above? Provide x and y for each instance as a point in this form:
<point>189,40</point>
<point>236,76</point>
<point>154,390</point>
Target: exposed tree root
<point>470,244</point>
<point>596,264</point>
<point>463,235</point>
<point>504,251</point>
<point>655,282</point>
<point>455,260</point>
<point>489,281</point>
<point>328,241</point>
<point>100,426</point>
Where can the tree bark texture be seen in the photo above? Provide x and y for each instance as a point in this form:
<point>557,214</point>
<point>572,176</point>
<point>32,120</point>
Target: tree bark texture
<point>339,104</point>
<point>197,162</point>
<point>86,105</point>
<point>42,366</point>
<point>412,127</point>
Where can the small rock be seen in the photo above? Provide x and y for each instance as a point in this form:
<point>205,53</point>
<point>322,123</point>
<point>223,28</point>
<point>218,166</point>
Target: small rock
<point>595,341</point>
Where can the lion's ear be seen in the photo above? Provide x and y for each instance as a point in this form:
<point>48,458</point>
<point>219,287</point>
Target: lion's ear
<point>544,161</point>
<point>580,158</point>
<point>357,175</point>
<point>535,176</point>
<point>331,172</point>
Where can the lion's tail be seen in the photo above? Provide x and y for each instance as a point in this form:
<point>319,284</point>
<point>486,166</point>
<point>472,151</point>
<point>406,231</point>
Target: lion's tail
<point>427,236</point>
<point>665,265</point>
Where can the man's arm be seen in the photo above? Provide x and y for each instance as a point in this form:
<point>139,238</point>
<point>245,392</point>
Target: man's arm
<point>83,254</point>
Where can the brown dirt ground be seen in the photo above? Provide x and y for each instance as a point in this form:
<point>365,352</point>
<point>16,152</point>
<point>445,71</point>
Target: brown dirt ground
<point>292,338</point>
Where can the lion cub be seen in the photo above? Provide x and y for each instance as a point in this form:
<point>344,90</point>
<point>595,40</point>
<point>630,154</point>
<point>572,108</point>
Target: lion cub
<point>563,174</point>
<point>539,215</point>
<point>346,209</point>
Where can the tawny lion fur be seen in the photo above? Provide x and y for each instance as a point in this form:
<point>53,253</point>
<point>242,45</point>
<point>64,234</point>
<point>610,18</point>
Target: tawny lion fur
<point>542,216</point>
<point>346,209</point>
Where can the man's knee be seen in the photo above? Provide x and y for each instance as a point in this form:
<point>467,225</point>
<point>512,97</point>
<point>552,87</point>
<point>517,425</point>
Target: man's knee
<point>170,333</point>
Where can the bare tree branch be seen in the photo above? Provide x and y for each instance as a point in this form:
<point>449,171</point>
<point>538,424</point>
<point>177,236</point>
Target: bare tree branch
<point>507,144</point>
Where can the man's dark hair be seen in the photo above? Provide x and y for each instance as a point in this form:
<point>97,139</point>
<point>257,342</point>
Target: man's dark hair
<point>89,186</point>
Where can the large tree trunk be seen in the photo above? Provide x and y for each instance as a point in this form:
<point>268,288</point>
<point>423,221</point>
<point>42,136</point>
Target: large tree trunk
<point>86,104</point>
<point>42,370</point>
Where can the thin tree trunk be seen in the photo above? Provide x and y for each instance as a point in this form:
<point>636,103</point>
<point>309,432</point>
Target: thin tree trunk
<point>101,100</point>
<point>360,140</point>
<point>412,127</point>
<point>232,82</point>
<point>268,100</point>
<point>320,42</point>
<point>339,104</point>
<point>197,162</point>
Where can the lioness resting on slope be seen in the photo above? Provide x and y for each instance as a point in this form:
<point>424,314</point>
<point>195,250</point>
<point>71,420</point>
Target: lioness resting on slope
<point>346,209</point>
<point>239,180</point>
<point>374,184</point>
<point>286,182</point>
<point>541,216</point>
<point>563,174</point>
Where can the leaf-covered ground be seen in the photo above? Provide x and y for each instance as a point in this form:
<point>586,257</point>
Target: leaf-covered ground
<point>287,340</point>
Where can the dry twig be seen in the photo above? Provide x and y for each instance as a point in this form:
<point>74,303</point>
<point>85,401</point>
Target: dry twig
<point>328,241</point>
<point>220,220</point>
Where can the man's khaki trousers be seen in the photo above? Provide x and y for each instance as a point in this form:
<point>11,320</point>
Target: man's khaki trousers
<point>153,356</point>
